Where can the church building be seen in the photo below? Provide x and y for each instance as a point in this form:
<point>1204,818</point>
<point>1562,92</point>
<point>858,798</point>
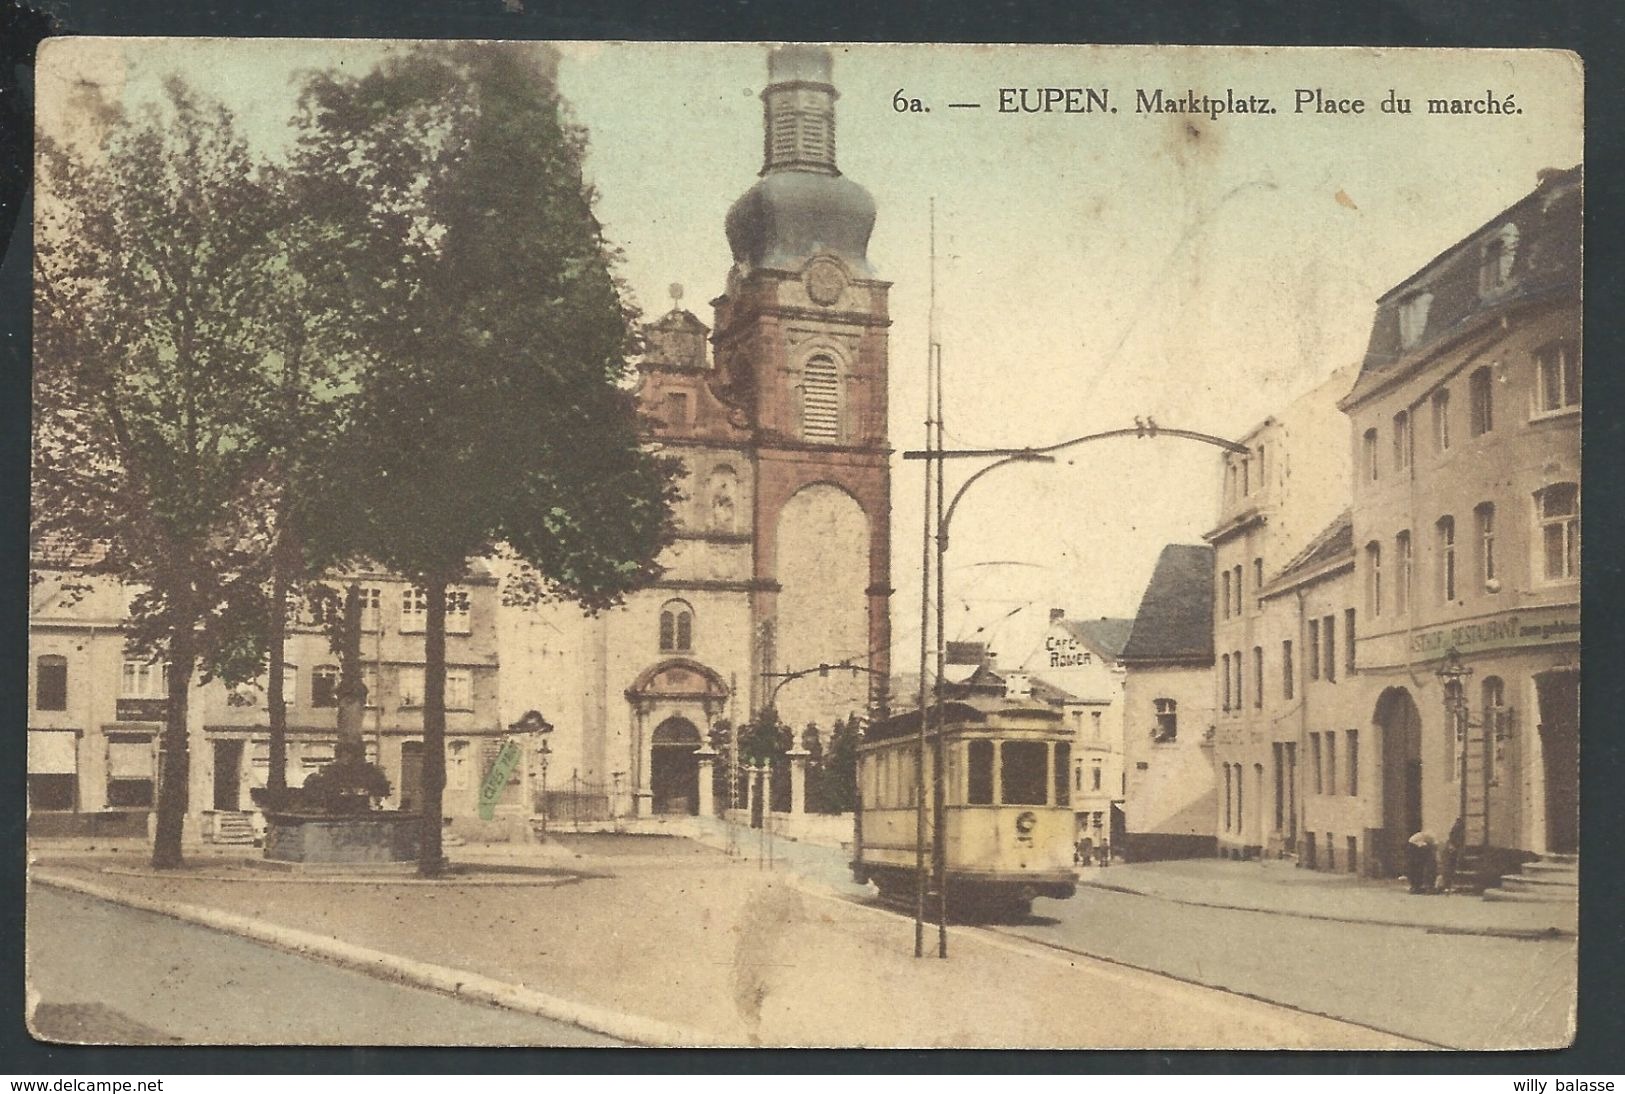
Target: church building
<point>781,560</point>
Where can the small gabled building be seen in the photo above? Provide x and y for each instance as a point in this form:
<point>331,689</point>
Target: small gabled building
<point>1168,711</point>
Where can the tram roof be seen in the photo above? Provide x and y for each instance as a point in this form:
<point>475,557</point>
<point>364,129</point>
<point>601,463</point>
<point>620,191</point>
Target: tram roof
<point>965,711</point>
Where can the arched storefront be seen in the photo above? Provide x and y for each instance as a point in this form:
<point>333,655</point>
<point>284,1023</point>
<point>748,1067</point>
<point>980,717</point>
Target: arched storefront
<point>1399,732</point>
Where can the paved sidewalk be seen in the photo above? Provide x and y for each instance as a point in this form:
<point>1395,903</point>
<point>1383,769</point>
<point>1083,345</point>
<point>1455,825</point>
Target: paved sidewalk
<point>684,945</point>
<point>1280,887</point>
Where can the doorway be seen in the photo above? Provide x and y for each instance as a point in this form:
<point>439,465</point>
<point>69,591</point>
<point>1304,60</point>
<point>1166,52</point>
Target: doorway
<point>228,776</point>
<point>1559,696</point>
<point>1399,729</point>
<point>411,775</point>
<point>674,770</point>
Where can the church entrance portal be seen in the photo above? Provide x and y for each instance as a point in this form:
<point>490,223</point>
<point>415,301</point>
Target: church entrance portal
<point>674,770</point>
<point>1399,727</point>
<point>1559,694</point>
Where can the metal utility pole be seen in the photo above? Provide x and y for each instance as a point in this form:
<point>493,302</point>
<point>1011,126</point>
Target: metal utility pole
<point>925,595</point>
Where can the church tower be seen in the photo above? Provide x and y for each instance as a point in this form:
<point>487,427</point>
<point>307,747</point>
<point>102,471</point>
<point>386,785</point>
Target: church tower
<point>800,350</point>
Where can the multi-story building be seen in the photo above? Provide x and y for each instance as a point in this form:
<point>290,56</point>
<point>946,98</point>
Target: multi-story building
<point>235,752</point>
<point>1169,796</point>
<point>95,711</point>
<point>1081,658</point>
<point>782,560</point>
<point>1465,424</point>
<point>1306,789</point>
<point>1273,499</point>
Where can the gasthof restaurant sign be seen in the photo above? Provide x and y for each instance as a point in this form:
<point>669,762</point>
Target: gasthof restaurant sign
<point>1533,628</point>
<point>1066,652</point>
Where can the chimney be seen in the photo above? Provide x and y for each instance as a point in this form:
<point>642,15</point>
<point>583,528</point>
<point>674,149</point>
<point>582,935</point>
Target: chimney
<point>1057,614</point>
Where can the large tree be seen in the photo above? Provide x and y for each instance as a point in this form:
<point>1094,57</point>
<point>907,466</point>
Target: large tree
<point>494,417</point>
<point>150,338</point>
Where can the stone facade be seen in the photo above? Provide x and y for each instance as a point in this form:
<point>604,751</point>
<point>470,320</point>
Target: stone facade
<point>782,560</point>
<point>1273,500</point>
<point>1465,423</point>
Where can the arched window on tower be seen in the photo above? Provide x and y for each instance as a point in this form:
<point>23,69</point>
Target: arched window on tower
<point>821,400</point>
<point>676,627</point>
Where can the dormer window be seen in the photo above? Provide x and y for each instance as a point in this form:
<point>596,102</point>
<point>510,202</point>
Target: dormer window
<point>1495,265</point>
<point>1413,318</point>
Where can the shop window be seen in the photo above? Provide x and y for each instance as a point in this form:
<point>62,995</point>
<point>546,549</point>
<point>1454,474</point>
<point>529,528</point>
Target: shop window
<point>1167,712</point>
<point>130,771</point>
<point>51,682</point>
<point>676,627</point>
<point>1023,774</point>
<point>1557,511</point>
<point>53,769</point>
<point>324,686</point>
<point>1481,400</point>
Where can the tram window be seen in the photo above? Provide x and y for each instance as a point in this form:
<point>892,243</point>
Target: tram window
<point>1063,762</point>
<point>1023,773</point>
<point>980,789</point>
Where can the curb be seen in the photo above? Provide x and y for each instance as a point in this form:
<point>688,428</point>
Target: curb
<point>443,979</point>
<point>1534,933</point>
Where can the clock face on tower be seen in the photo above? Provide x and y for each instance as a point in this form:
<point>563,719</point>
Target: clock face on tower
<point>825,281</point>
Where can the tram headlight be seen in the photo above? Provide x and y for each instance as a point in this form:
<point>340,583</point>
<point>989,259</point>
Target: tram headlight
<point>1026,821</point>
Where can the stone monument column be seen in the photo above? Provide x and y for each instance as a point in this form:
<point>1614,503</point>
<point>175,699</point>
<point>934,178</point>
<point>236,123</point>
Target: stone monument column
<point>798,779</point>
<point>706,757</point>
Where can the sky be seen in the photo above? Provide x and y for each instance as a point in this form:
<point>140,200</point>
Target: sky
<point>1091,267</point>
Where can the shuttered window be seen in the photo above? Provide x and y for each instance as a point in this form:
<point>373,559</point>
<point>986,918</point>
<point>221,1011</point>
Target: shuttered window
<point>820,401</point>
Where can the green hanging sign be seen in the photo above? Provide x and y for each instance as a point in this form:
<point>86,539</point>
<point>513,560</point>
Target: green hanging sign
<point>501,771</point>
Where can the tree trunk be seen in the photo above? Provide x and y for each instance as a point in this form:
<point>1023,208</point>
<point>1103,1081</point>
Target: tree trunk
<point>431,858</point>
<point>174,756</point>
<point>276,780</point>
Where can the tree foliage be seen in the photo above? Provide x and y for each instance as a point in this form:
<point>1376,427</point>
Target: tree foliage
<point>151,331</point>
<point>492,417</point>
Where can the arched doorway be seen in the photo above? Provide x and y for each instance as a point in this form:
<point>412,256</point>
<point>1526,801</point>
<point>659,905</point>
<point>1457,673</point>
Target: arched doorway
<point>1399,729</point>
<point>1559,696</point>
<point>674,770</point>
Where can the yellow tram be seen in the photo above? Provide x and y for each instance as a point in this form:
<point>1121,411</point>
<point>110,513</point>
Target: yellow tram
<point>1006,808</point>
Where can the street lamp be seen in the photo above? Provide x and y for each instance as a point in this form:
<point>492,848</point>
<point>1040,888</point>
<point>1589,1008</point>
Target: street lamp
<point>532,722</point>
